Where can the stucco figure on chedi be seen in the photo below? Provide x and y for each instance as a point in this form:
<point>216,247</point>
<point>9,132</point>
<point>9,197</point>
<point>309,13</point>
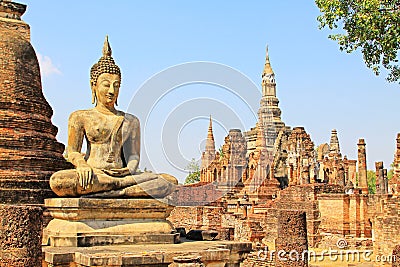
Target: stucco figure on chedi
<point>110,166</point>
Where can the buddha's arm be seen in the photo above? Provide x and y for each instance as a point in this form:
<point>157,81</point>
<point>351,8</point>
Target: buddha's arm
<point>75,139</point>
<point>133,146</point>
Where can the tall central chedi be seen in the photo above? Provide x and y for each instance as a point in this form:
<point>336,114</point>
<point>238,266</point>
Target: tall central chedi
<point>29,151</point>
<point>269,114</point>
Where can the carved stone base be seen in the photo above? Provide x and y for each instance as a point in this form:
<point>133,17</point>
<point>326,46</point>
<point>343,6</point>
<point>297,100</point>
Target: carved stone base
<point>81,222</point>
<point>211,253</point>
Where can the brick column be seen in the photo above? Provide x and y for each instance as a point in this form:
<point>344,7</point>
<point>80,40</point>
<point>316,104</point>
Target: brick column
<point>292,239</point>
<point>351,172</point>
<point>20,236</point>
<point>380,179</point>
<point>362,166</point>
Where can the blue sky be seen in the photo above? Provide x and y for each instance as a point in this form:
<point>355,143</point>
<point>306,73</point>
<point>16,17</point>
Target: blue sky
<point>319,87</point>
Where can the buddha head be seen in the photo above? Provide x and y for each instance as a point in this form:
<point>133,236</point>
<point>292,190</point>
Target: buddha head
<point>105,78</point>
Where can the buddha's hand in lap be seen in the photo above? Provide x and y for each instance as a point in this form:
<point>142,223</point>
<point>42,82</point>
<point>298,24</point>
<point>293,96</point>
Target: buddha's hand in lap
<point>117,172</point>
<point>85,174</point>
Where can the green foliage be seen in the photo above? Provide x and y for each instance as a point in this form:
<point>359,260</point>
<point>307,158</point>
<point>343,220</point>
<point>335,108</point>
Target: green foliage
<point>194,172</point>
<point>371,25</point>
<point>221,153</point>
<point>371,178</point>
<point>391,171</point>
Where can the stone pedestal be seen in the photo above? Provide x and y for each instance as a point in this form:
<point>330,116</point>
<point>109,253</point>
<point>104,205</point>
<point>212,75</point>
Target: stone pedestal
<point>211,253</point>
<point>187,261</point>
<point>85,222</point>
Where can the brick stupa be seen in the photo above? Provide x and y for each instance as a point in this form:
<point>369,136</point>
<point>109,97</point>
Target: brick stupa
<point>29,151</point>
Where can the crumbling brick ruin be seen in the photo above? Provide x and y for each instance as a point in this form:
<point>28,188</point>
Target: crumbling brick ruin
<point>292,239</point>
<point>29,152</point>
<point>20,236</point>
<point>330,189</point>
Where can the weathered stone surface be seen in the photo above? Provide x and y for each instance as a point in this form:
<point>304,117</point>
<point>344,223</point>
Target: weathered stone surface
<point>292,239</point>
<point>90,222</point>
<point>212,254</point>
<point>396,256</point>
<point>29,152</point>
<point>20,236</point>
<point>384,215</point>
<point>187,261</point>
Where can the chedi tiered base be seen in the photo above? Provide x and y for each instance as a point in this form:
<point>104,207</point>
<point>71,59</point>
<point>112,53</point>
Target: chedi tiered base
<point>84,222</point>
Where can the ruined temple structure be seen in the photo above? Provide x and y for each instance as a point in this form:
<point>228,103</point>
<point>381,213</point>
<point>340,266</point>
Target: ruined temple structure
<point>293,177</point>
<point>394,183</point>
<point>248,170</point>
<point>300,157</point>
<point>227,170</point>
<point>29,151</point>
<point>209,173</point>
<point>274,156</point>
<point>332,166</point>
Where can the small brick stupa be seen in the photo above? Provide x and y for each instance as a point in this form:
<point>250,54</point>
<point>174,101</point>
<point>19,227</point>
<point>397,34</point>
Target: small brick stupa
<point>29,151</point>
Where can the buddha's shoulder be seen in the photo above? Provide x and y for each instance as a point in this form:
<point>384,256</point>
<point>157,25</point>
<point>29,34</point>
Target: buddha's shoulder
<point>80,115</point>
<point>131,118</point>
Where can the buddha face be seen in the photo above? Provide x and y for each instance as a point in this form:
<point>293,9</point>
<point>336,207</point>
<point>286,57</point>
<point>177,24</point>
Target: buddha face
<point>107,89</point>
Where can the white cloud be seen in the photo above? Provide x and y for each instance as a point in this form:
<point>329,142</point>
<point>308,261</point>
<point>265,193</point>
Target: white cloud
<point>47,67</point>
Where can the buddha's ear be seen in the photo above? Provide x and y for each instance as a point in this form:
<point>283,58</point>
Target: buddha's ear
<point>92,86</point>
<point>94,98</point>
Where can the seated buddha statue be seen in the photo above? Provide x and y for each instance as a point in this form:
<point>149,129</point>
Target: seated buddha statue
<point>110,166</point>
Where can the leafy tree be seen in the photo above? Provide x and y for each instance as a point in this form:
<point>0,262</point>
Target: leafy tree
<point>371,25</point>
<point>391,171</point>
<point>194,172</point>
<point>371,178</point>
<point>221,153</point>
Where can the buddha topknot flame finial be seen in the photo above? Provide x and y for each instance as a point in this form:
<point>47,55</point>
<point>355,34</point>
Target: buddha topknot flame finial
<point>107,48</point>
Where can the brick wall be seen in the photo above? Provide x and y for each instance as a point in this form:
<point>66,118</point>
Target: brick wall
<point>385,217</point>
<point>199,194</point>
